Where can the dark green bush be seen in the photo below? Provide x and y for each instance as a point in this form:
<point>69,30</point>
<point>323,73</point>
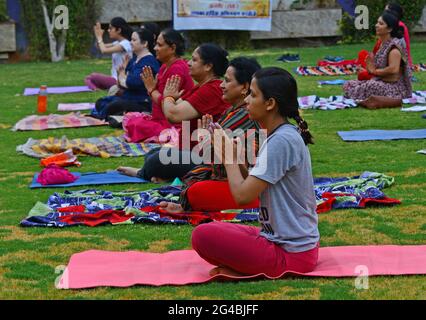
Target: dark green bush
<point>82,17</point>
<point>3,11</point>
<point>412,14</point>
<point>231,40</point>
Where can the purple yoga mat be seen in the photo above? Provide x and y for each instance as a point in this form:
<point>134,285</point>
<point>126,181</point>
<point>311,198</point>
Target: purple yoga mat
<point>57,90</point>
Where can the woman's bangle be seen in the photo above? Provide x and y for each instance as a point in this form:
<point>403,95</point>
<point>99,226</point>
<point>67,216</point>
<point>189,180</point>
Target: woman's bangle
<point>169,98</point>
<point>151,92</point>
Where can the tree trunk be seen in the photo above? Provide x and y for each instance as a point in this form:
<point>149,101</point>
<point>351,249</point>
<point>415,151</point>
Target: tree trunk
<point>57,46</point>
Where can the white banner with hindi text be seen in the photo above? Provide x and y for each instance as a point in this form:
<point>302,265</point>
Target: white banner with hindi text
<point>252,15</point>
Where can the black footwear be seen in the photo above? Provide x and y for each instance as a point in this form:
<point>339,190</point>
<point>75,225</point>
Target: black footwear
<point>116,122</point>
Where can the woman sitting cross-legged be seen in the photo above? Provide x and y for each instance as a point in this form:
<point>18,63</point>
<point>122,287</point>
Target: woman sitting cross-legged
<point>397,11</point>
<point>169,49</point>
<point>392,74</point>
<point>209,62</point>
<point>135,96</point>
<point>288,239</point>
<point>206,183</point>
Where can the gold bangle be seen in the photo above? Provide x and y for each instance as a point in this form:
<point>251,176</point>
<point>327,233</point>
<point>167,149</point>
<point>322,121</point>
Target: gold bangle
<point>169,98</point>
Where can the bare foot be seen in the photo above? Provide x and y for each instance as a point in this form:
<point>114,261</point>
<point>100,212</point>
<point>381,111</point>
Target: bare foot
<point>171,207</point>
<point>224,271</point>
<point>127,171</point>
<point>158,180</point>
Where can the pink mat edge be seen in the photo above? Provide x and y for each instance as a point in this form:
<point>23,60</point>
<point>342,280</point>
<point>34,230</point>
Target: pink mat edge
<point>230,278</point>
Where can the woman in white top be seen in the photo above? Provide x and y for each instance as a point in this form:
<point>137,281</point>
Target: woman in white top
<point>121,33</point>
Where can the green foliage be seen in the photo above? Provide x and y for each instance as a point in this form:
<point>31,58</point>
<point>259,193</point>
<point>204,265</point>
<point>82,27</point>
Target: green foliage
<point>412,14</point>
<point>231,40</point>
<point>82,16</point>
<point>3,11</point>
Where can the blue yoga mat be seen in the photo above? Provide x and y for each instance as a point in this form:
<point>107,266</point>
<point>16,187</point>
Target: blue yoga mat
<point>92,179</point>
<point>369,135</point>
<point>337,82</point>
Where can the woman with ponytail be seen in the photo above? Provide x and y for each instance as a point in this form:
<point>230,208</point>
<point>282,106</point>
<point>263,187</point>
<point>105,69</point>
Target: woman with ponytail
<point>120,32</point>
<point>135,97</point>
<point>288,239</point>
<point>390,69</point>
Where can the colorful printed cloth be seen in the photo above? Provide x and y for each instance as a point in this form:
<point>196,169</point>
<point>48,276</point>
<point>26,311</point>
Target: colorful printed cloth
<point>94,207</point>
<point>333,70</point>
<point>331,103</point>
<point>352,192</point>
<point>96,147</point>
<point>330,70</point>
<point>56,121</point>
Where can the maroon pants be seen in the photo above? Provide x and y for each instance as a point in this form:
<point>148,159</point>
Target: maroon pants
<point>97,81</point>
<point>242,249</point>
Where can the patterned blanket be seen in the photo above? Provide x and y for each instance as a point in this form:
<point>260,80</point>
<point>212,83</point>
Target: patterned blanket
<point>56,121</point>
<point>97,147</point>
<point>332,70</point>
<point>331,103</point>
<point>94,208</point>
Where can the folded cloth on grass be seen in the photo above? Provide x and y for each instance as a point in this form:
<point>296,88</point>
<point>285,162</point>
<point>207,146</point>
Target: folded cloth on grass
<point>353,192</point>
<point>90,179</point>
<point>348,67</point>
<point>94,268</point>
<point>370,135</point>
<point>57,90</point>
<point>56,121</point>
<point>96,147</point>
<point>328,70</point>
<point>417,98</point>
<point>331,193</point>
<point>84,208</point>
<point>64,159</point>
<point>64,107</point>
<point>414,109</point>
<point>331,103</point>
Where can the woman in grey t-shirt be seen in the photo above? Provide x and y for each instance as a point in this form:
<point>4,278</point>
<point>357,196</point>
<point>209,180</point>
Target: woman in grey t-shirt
<point>288,239</point>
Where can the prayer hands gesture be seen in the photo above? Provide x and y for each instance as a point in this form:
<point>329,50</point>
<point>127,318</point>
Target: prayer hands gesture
<point>172,87</point>
<point>371,67</point>
<point>99,32</point>
<point>148,79</point>
<point>229,151</point>
<point>206,123</point>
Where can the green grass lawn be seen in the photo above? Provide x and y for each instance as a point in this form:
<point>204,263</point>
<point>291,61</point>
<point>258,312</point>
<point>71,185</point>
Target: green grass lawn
<point>29,257</point>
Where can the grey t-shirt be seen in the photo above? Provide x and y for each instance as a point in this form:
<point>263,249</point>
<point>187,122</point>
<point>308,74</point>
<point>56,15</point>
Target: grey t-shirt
<point>288,207</point>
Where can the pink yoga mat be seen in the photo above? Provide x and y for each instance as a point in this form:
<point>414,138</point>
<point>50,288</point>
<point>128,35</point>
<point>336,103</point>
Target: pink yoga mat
<point>94,268</point>
<point>57,90</point>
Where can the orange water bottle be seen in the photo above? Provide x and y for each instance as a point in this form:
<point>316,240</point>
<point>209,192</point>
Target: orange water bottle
<point>42,100</point>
